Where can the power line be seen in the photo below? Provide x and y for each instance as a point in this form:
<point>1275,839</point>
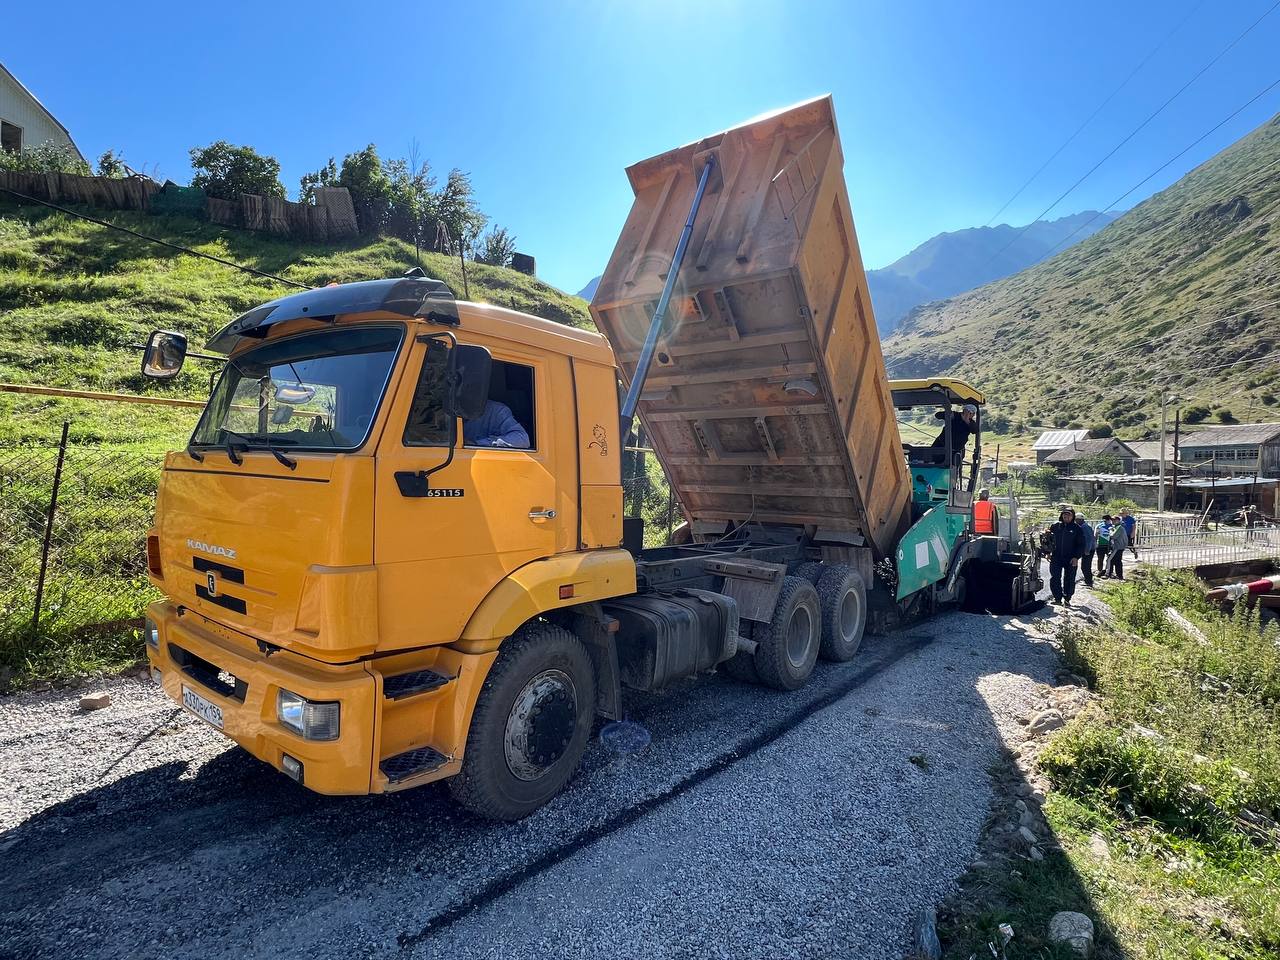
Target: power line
<point>1133,133</point>
<point>163,243</point>
<point>1256,97</point>
<point>1089,119</point>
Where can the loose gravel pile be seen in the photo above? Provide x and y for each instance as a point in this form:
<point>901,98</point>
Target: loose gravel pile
<point>756,824</point>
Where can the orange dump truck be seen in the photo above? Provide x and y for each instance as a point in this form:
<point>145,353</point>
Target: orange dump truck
<point>393,551</point>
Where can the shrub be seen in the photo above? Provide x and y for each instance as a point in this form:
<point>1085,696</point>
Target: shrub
<point>495,248</point>
<point>1043,476</point>
<point>1195,414</point>
<point>1226,416</point>
<point>1103,429</point>
<point>45,158</point>
<point>1098,463</point>
<point>110,164</point>
<point>226,171</point>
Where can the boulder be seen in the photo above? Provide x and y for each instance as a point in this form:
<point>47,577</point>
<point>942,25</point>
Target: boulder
<point>1073,929</point>
<point>1046,721</point>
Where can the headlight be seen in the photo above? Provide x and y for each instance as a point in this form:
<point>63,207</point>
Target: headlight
<point>311,719</point>
<point>151,633</point>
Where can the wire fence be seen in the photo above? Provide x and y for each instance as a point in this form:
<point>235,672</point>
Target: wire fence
<point>73,523</point>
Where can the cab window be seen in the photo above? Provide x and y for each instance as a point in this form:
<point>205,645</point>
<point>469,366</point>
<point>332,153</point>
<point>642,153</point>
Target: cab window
<point>507,423</point>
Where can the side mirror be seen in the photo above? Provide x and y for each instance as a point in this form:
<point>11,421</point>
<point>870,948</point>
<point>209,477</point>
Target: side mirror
<point>473,366</point>
<point>164,355</point>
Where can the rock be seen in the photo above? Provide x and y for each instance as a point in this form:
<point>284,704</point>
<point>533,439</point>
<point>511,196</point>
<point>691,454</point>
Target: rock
<point>1021,805</point>
<point>925,935</point>
<point>95,701</point>
<point>1098,846</point>
<point>1026,819</point>
<point>1073,929</point>
<point>1028,835</point>
<point>1036,854</point>
<point>1045,721</point>
<point>979,865</point>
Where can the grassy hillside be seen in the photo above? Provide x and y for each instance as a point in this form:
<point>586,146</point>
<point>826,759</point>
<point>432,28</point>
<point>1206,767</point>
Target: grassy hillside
<point>1182,292</point>
<point>73,295</point>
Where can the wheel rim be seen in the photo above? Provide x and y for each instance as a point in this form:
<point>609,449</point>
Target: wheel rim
<point>542,721</point>
<point>799,636</point>
<point>850,616</point>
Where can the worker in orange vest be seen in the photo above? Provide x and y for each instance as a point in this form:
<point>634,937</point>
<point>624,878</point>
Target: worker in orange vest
<point>985,518</point>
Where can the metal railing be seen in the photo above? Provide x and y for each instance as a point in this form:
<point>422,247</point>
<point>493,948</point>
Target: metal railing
<point>1178,542</point>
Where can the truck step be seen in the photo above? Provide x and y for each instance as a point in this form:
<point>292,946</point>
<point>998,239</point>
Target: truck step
<point>411,763</point>
<point>410,684</point>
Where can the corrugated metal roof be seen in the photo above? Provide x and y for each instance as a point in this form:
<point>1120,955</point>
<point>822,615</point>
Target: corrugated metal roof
<point>1057,439</point>
<point>1197,483</point>
<point>1086,448</point>
<point>1230,435</point>
<point>1150,449</point>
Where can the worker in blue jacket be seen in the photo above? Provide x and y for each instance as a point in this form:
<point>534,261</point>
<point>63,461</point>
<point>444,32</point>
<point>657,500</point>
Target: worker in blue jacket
<point>1065,548</point>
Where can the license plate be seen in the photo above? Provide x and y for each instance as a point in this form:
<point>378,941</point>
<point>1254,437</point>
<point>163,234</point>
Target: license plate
<point>202,708</point>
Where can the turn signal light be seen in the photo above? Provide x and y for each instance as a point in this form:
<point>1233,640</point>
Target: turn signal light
<point>153,557</point>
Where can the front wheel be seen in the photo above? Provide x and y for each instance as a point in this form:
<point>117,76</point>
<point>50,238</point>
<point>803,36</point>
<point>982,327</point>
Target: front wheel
<point>531,724</point>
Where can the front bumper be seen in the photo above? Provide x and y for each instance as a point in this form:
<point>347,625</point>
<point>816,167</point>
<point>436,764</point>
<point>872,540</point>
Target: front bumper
<point>226,668</point>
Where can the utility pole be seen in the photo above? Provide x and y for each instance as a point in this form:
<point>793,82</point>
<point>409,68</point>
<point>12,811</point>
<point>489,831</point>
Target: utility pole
<point>1177,423</point>
<point>1165,400</point>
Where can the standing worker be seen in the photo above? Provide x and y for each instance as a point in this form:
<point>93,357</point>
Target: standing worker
<point>986,520</point>
<point>1119,540</point>
<point>963,426</point>
<point>1086,558</point>
<point>1103,539</point>
<point>1131,529</point>
<point>1066,547</point>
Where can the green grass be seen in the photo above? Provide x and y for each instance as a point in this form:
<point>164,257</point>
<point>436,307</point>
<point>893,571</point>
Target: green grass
<point>1175,770</point>
<point>73,297</point>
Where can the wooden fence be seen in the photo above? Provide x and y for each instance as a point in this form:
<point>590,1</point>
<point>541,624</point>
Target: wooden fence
<point>332,217</point>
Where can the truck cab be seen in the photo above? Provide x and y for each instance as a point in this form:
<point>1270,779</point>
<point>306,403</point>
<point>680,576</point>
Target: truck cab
<point>342,553</point>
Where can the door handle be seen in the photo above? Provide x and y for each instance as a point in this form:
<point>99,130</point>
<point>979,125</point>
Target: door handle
<point>542,514</point>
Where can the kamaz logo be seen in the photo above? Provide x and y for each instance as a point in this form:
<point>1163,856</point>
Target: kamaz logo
<point>211,548</point>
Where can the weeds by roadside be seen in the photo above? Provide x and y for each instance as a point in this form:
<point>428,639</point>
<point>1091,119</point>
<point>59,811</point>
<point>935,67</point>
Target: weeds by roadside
<point>1165,794</point>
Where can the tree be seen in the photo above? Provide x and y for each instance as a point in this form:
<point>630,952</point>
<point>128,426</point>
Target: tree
<point>47,157</point>
<point>370,186</point>
<point>1102,430</point>
<point>412,215</point>
<point>226,171</point>
<point>456,210</point>
<point>1196,414</point>
<point>495,247</point>
<point>111,164</point>
<point>1043,476</point>
<point>326,176</point>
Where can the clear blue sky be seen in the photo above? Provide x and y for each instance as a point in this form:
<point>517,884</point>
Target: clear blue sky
<point>944,108</point>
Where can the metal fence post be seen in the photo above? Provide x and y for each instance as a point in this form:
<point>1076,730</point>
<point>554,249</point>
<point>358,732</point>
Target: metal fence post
<point>48,529</point>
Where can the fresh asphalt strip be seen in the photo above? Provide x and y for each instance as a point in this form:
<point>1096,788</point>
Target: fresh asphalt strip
<point>507,882</point>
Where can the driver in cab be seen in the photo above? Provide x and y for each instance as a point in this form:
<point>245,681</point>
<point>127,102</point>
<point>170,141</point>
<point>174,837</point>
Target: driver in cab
<point>497,426</point>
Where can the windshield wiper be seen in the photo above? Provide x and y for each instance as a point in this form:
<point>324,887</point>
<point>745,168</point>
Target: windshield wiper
<point>264,443</point>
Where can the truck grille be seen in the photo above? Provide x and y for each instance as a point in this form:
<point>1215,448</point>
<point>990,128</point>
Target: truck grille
<point>217,576</point>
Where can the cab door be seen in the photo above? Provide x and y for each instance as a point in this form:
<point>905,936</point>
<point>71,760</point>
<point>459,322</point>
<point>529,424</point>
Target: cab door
<point>491,510</point>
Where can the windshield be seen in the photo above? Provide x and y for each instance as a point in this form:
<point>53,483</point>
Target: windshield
<point>316,390</point>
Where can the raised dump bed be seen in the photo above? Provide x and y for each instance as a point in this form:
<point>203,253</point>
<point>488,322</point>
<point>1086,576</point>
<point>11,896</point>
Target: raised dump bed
<point>767,399</point>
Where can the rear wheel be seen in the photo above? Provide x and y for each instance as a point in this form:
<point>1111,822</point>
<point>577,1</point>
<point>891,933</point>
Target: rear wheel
<point>842,597</point>
<point>530,726</point>
<point>811,570</point>
<point>787,646</point>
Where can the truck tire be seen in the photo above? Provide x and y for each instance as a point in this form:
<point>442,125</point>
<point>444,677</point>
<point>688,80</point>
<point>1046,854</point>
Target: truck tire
<point>787,646</point>
<point>530,726</point>
<point>842,598</point>
<point>810,570</point>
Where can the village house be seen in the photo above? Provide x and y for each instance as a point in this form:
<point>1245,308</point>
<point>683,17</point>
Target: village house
<point>1053,440</point>
<point>1235,450</point>
<point>1069,458</point>
<point>24,120</point>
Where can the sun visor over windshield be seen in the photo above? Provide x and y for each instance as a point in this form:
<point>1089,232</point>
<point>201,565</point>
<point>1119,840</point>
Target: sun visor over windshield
<point>409,297</point>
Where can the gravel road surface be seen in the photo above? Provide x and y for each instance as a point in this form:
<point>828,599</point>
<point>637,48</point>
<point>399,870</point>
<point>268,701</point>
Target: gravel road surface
<point>756,824</point>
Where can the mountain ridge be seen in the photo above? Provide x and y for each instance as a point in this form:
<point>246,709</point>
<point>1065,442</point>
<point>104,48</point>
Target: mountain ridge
<point>1179,294</point>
